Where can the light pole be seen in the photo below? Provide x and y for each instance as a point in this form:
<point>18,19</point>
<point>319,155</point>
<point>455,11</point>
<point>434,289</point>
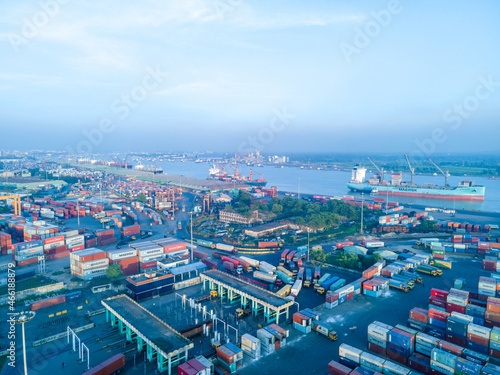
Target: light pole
<point>191,236</point>
<point>362,205</point>
<point>307,244</point>
<point>298,195</point>
<point>24,317</point>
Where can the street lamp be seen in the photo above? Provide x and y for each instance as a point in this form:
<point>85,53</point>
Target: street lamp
<point>307,244</point>
<point>362,205</point>
<point>191,236</point>
<point>24,317</point>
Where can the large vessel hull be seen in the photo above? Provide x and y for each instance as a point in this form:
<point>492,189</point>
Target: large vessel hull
<point>475,193</point>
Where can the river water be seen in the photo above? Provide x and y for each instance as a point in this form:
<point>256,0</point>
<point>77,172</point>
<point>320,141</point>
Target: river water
<point>333,183</point>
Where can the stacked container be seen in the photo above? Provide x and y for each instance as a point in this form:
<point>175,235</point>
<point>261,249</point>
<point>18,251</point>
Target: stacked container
<point>377,337</point>
<point>424,343</point>
<point>456,328</point>
<point>400,345</point>
<point>5,243</point>
<point>302,322</point>
<point>105,237</point>
<point>495,342</point>
<point>251,345</point>
<point>437,323</point>
<point>443,362</point>
<point>127,259</point>
<point>375,287</point>
<point>230,357</point>
<point>492,315</point>
<point>88,264</point>
<point>349,356</point>
<point>372,362</point>
<point>478,338</point>
<point>335,368</point>
<point>26,253</point>
<point>457,300</point>
<point>487,287</point>
<point>75,243</point>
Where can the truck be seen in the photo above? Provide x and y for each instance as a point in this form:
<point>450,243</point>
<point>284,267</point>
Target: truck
<point>206,243</point>
<point>284,277</point>
<point>285,291</point>
<point>264,276</point>
<point>317,275</point>
<point>412,275</point>
<point>179,225</point>
<point>441,264</point>
<point>99,215</point>
<point>429,270</point>
<point>328,283</point>
<point>232,268</point>
<point>224,247</point>
<point>268,244</point>
<point>229,259</point>
<point>372,244</point>
<point>324,278</point>
<point>407,280</point>
<point>285,271</point>
<point>247,267</point>
<point>325,329</point>
<point>296,287</point>
<point>110,366</point>
<point>267,266</point>
<point>283,256</point>
<point>290,255</point>
<point>241,313</point>
<point>308,280</point>
<point>253,262</point>
<point>400,285</point>
<point>300,275</point>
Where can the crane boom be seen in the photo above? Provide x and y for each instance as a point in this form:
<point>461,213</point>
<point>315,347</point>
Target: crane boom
<point>378,169</point>
<point>412,170</point>
<point>223,168</point>
<point>446,175</point>
<point>235,170</point>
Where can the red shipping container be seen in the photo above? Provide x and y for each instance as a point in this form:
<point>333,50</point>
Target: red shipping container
<point>436,372</point>
<point>47,303</point>
<point>27,262</point>
<point>377,349</point>
<point>419,314</point>
<point>459,341</point>
<point>439,293</point>
<point>450,307</point>
<point>396,357</point>
<point>335,368</point>
<point>494,353</point>
<point>451,348</point>
<point>148,265</point>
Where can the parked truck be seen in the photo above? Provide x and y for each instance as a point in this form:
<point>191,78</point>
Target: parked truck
<point>232,268</point>
<point>283,256</point>
<point>441,264</point>
<point>325,329</point>
<point>267,267</point>
<point>206,243</point>
<point>400,285</point>
<point>317,275</point>
<point>429,270</point>
<point>227,248</point>
<point>308,279</point>
<point>412,275</point>
<point>297,286</point>
<point>284,277</point>
<point>405,279</point>
<point>324,278</point>
<point>247,267</point>
<point>285,291</point>
<point>264,276</point>
<point>253,262</point>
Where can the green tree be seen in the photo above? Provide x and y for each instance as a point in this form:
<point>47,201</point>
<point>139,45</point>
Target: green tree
<point>141,198</point>
<point>428,226</point>
<point>114,271</point>
<point>277,208</point>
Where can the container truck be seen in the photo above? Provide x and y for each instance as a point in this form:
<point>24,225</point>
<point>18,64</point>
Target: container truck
<point>412,275</point>
<point>328,283</point>
<point>206,243</point>
<point>409,282</point>
<point>429,270</point>
<point>317,275</point>
<point>179,225</point>
<point>247,267</point>
<point>301,274</point>
<point>267,266</point>
<point>290,255</point>
<point>253,262</point>
<point>264,244</point>
<point>285,291</point>
<point>283,256</point>
<point>325,329</point>
<point>400,285</point>
<point>264,276</point>
<point>285,278</point>
<point>308,280</point>
<point>297,286</point>
<point>372,244</point>
<point>441,264</point>
<point>224,247</point>
<point>337,285</point>
<point>231,260</point>
<point>285,271</point>
<point>324,278</point>
<point>232,268</point>
<point>241,313</point>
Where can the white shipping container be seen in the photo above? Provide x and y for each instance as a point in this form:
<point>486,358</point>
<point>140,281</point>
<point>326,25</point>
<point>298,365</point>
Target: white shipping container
<point>372,362</point>
<point>350,352</point>
<point>456,300</point>
<point>150,252</point>
<point>378,331</point>
<point>442,368</point>
<point>478,330</point>
<point>122,254</point>
<point>94,263</point>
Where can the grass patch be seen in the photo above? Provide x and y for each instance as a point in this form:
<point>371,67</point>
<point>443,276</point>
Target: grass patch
<point>33,282</point>
<point>57,273</point>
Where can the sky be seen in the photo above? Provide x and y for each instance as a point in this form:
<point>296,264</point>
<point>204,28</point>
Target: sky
<point>234,75</point>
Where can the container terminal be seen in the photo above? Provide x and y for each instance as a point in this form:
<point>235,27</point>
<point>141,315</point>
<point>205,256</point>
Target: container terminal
<point>112,279</point>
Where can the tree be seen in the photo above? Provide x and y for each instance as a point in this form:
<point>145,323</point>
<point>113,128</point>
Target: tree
<point>277,208</point>
<point>114,271</point>
<point>428,226</point>
<point>141,198</point>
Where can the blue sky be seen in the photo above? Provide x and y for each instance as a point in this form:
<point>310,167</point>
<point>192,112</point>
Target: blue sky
<point>228,66</point>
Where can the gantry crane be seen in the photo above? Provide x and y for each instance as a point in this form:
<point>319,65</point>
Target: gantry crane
<point>381,170</point>
<point>236,174</point>
<point>412,170</point>
<point>222,167</point>
<point>446,175</point>
<point>17,202</point>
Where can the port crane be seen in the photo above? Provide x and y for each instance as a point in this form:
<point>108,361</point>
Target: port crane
<point>381,170</point>
<point>446,175</point>
<point>17,202</point>
<point>222,167</point>
<point>412,170</point>
<point>255,174</point>
<point>236,174</point>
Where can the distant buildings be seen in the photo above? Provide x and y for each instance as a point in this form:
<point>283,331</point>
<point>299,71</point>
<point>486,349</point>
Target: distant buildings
<point>275,159</point>
<point>231,216</point>
<point>266,229</point>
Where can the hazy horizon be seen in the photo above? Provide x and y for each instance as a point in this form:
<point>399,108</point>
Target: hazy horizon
<point>420,78</point>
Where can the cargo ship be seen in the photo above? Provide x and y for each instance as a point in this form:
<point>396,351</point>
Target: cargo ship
<point>221,174</point>
<point>465,190</point>
<point>151,169</point>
